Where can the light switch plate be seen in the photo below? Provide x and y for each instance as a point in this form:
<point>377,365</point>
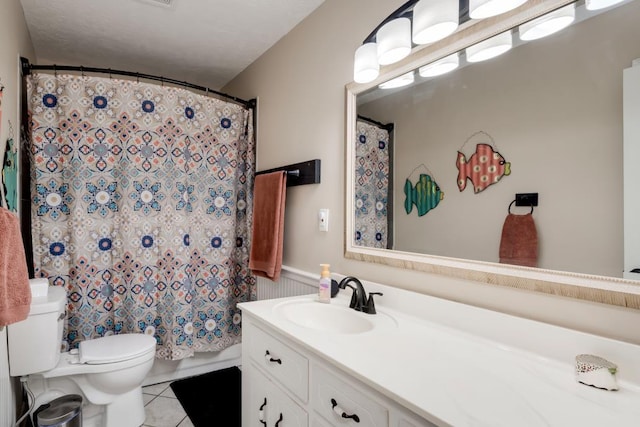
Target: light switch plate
<point>323,220</point>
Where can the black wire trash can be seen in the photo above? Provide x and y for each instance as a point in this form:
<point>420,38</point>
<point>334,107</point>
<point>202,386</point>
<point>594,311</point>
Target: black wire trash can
<point>65,411</point>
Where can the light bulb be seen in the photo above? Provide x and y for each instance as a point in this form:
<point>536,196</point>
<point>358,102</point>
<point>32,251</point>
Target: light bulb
<point>434,20</point>
<point>548,24</point>
<point>490,48</point>
<point>441,66</point>
<point>403,80</point>
<point>481,9</point>
<point>394,41</point>
<point>365,63</point>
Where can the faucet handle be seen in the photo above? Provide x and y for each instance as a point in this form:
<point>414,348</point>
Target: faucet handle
<point>371,306</point>
<point>354,294</point>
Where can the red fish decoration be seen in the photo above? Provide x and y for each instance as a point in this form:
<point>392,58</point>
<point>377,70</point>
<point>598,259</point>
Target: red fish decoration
<point>485,167</point>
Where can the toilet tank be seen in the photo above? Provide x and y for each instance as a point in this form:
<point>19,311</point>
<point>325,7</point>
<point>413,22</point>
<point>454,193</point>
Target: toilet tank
<point>34,343</point>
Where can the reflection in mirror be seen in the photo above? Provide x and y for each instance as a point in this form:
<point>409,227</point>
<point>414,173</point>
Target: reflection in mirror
<point>374,184</point>
<point>552,107</point>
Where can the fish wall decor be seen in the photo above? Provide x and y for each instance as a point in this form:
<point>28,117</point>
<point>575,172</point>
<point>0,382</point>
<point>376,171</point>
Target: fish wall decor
<point>484,168</point>
<point>10,176</point>
<point>426,195</point>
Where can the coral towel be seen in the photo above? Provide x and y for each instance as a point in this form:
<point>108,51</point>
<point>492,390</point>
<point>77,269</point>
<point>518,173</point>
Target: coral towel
<point>15,293</point>
<point>519,243</point>
<point>268,224</point>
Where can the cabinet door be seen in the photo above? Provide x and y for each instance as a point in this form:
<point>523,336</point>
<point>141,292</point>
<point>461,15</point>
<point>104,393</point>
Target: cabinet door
<point>343,402</point>
<point>268,406</point>
<point>317,421</point>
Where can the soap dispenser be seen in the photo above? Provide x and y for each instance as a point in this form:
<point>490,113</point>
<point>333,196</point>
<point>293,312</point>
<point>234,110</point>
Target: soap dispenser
<point>324,288</point>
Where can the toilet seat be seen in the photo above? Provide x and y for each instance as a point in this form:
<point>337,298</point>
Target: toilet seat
<point>114,348</point>
<point>143,349</point>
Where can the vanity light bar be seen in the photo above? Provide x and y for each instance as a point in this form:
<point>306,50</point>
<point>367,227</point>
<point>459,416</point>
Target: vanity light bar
<point>418,22</point>
<point>433,20</point>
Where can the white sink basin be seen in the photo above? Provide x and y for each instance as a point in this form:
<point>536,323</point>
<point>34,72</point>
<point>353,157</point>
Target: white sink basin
<point>334,318</point>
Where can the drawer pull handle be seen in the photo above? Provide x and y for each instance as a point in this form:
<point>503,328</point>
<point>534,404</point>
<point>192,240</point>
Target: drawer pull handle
<point>279,419</point>
<point>338,410</point>
<point>271,359</point>
<point>261,414</point>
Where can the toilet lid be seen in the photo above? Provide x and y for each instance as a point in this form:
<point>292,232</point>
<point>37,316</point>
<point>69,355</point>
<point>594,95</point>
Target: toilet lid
<point>115,348</point>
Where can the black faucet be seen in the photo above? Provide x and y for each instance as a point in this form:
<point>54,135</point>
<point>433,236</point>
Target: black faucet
<point>359,301</point>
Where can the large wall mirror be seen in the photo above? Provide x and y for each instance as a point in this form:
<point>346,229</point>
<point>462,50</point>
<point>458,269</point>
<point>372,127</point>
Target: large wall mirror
<point>554,108</point>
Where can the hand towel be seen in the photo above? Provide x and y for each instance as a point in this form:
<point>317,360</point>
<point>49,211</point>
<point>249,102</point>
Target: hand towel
<point>15,293</point>
<point>268,224</point>
<point>519,243</point>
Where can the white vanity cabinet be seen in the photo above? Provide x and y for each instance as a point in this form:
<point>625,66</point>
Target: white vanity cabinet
<point>420,362</point>
<point>284,385</point>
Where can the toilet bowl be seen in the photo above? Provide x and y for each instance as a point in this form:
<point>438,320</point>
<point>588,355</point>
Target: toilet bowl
<point>108,372</point>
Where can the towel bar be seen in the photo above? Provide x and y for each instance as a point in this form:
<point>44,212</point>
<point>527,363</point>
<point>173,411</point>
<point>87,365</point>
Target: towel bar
<point>299,173</point>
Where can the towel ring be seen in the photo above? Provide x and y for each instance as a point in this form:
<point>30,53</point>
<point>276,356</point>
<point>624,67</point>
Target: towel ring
<point>511,204</point>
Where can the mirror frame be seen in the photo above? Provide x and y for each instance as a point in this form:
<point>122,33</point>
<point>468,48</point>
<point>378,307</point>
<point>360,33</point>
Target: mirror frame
<point>600,289</point>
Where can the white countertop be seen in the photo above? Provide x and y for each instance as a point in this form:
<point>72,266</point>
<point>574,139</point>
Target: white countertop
<point>454,375</point>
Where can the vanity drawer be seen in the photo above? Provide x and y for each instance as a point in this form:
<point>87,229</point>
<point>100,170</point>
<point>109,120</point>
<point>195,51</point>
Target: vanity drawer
<point>332,396</point>
<point>284,364</point>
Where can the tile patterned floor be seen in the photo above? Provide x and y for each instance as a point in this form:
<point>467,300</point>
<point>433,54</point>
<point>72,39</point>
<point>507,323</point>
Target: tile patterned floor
<point>162,408</point>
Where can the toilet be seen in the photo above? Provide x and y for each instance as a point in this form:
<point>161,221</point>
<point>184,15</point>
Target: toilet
<point>107,372</point>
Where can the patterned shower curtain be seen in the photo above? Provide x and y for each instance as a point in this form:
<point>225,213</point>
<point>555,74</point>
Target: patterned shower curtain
<point>372,187</point>
<point>142,202</point>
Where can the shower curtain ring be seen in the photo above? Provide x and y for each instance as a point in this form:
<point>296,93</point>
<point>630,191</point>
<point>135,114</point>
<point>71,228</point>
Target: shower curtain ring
<point>82,71</point>
<point>55,70</point>
<point>137,77</point>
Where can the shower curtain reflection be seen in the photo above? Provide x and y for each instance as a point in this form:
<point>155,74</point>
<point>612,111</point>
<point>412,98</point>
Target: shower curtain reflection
<point>141,209</point>
<point>373,186</point>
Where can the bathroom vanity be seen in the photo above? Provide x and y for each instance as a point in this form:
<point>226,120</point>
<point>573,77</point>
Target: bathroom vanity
<point>422,361</point>
<point>284,384</point>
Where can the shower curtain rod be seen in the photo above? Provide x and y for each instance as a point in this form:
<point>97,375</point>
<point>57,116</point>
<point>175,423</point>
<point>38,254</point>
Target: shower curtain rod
<point>387,127</point>
<point>27,67</point>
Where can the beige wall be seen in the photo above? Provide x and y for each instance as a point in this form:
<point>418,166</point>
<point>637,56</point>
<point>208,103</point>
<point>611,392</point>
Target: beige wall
<point>300,86</point>
<point>554,109</point>
<point>14,42</point>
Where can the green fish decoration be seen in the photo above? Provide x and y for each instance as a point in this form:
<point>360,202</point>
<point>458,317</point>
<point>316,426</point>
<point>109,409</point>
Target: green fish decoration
<point>425,195</point>
<point>10,176</point>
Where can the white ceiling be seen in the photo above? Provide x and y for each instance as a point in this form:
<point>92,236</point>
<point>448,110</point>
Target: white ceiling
<point>206,42</point>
